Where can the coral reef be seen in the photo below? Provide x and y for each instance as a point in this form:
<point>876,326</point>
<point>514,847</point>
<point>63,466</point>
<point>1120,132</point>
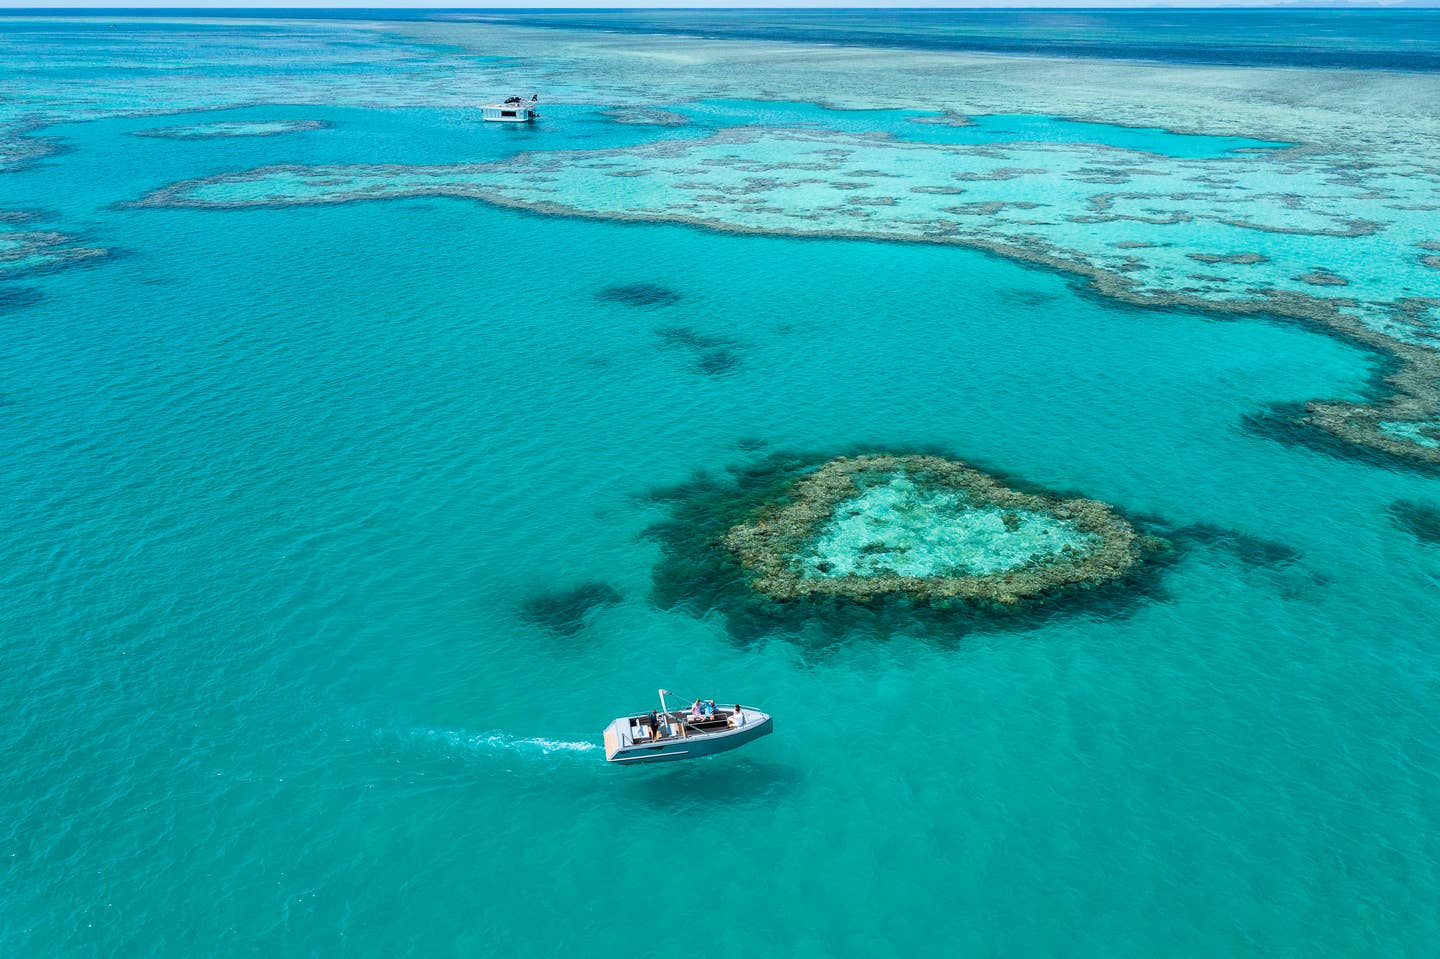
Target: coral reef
<point>820,547</point>
<point>974,539</point>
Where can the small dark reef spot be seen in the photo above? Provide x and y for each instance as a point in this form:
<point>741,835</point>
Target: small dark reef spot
<point>717,362</point>
<point>566,612</point>
<point>1418,519</point>
<point>1029,297</point>
<point>640,294</point>
<point>689,338</point>
<point>1239,259</point>
<point>1248,548</point>
<point>1319,276</point>
<point>713,355</point>
<point>15,298</point>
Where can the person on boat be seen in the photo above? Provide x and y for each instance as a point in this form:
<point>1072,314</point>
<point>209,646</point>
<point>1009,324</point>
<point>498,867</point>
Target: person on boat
<point>653,721</point>
<point>708,709</point>
<point>737,718</point>
<point>696,711</point>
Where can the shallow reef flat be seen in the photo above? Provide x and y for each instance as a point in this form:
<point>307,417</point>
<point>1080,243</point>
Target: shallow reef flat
<point>809,544</point>
<point>1274,232</point>
<point>226,129</point>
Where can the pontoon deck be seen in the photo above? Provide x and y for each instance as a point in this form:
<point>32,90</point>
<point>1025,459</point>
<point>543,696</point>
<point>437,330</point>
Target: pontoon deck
<point>513,110</point>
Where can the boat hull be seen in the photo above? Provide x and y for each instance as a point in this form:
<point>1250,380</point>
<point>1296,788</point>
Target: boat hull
<point>678,748</point>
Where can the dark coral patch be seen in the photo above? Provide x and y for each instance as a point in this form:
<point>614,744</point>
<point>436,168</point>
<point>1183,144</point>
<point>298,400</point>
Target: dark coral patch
<point>1418,519</point>
<point>712,355</point>
<point>19,297</point>
<point>1246,547</point>
<point>689,338</point>
<point>1238,259</point>
<point>1279,563</point>
<point>21,148</point>
<point>640,294</point>
<point>718,362</point>
<point>566,612</point>
<point>1319,276</point>
<point>1026,297</point>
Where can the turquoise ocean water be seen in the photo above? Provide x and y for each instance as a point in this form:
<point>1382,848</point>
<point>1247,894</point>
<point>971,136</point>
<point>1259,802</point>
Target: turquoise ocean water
<point>280,483</point>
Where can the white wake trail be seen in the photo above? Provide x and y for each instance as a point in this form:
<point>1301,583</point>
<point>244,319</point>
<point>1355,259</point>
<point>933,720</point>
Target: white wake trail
<point>500,741</point>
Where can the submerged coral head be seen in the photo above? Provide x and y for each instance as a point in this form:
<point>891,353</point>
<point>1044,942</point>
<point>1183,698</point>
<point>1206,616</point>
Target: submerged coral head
<point>640,294</point>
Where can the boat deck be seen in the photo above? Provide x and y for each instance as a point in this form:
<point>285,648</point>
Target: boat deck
<point>628,738</point>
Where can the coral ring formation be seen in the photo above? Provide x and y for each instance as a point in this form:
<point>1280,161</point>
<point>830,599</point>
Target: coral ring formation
<point>931,529</point>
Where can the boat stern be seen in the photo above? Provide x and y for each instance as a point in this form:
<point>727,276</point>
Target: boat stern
<point>612,741</point>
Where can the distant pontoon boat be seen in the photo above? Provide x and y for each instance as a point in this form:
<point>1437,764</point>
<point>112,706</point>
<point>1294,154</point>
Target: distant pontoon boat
<point>513,110</point>
<point>671,735</point>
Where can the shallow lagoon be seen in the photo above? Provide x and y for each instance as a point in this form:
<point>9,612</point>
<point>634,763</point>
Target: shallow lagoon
<point>895,526</point>
<point>284,483</point>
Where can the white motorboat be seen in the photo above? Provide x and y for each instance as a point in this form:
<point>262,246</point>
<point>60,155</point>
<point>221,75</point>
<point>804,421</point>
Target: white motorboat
<point>668,735</point>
